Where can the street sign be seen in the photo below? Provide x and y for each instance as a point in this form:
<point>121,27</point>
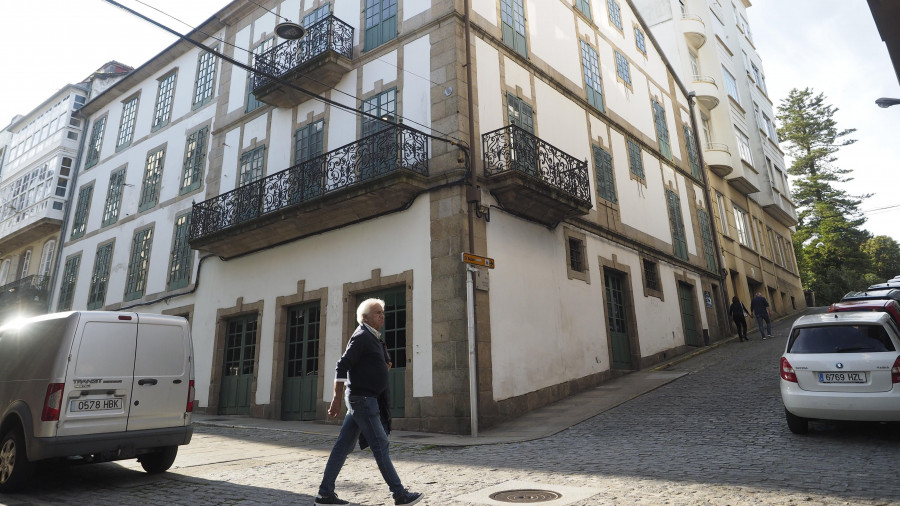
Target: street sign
<point>477,260</point>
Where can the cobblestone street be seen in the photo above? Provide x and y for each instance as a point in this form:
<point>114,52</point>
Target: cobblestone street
<point>715,436</point>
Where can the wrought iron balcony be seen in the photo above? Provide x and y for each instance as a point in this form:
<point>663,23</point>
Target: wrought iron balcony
<point>380,173</point>
<point>534,179</point>
<point>27,296</point>
<point>323,55</point>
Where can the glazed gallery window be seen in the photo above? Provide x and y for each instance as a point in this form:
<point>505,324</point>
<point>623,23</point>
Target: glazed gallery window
<point>662,129</point>
<point>100,277</point>
<point>67,287</point>
<point>593,84</point>
<point>181,254</point>
<point>126,127</point>
<point>381,22</point>
<point>138,263</point>
<point>206,76</point>
<point>162,113</point>
<point>79,223</point>
<point>512,21</point>
<point>113,197</point>
<point>93,153</point>
<point>679,242</point>
<point>606,184</point>
<point>194,159</point>
<point>152,175</point>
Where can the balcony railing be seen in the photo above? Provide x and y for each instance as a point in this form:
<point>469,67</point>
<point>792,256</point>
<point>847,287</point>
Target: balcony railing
<point>396,149</point>
<point>29,291</point>
<point>556,177</point>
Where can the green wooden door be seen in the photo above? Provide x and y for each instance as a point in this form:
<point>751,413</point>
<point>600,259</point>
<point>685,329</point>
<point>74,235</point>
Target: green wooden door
<point>301,378</point>
<point>394,335</point>
<point>616,320</point>
<point>239,367</point>
<point>686,300</point>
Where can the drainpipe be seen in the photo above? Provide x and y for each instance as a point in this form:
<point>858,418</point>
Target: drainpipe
<point>715,236</point>
<point>473,197</point>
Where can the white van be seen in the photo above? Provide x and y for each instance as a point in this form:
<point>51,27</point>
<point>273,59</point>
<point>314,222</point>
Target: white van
<point>98,385</point>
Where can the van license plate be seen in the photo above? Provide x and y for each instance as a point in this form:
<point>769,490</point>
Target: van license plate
<point>95,404</point>
<point>842,377</point>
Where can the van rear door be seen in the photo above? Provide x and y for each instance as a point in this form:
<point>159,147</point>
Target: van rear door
<point>162,373</point>
<point>100,374</point>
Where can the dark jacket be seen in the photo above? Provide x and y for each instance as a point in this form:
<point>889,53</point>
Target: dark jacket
<point>758,305</point>
<point>737,309</point>
<point>364,364</point>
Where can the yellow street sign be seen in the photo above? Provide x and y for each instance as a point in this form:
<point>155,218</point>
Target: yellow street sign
<point>478,260</point>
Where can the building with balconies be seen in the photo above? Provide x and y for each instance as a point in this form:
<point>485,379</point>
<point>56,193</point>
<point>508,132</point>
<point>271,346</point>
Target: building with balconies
<point>262,188</point>
<point>747,172</point>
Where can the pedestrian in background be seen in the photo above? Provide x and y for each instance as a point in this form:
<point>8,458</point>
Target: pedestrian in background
<point>738,310</point>
<point>759,306</point>
<point>364,369</point>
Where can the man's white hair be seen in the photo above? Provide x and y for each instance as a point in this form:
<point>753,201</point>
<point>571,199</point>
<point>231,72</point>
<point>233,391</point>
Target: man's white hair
<point>366,306</point>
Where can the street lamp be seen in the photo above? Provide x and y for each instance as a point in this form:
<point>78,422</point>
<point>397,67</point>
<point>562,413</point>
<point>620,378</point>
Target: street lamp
<point>887,102</point>
<point>289,30</point>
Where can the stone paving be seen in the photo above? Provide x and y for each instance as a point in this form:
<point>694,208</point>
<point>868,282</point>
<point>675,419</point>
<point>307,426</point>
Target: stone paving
<point>716,436</point>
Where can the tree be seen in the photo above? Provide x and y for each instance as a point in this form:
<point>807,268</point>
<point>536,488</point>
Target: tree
<point>883,254</point>
<point>829,238</point>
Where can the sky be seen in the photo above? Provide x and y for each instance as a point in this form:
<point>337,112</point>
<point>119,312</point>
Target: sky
<point>831,46</point>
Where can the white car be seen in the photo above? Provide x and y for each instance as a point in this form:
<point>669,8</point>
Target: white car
<point>841,366</point>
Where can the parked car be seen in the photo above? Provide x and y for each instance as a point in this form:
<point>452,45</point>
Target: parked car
<point>874,294</point>
<point>98,385</point>
<point>841,366</point>
<point>887,284</point>
<point>889,306</point>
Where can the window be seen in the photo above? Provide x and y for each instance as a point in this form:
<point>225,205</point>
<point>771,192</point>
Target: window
<point>615,16</point>
<point>742,224</point>
<point>606,185</point>
<point>381,22</point>
<point>693,157</point>
<point>512,21</point>
<point>4,271</point>
<point>113,197</point>
<point>152,175</point>
<point>706,235</point>
<point>26,263</point>
<point>651,276</point>
<point>761,82</point>
<point>723,216</point>
<point>592,83</point>
<point>67,286</point>
<point>65,168</point>
<point>93,153</point>
<point>100,278</point>
<point>79,223</point>
<point>731,86</point>
<point>677,223</point>
<point>46,258</point>
<point>181,256</point>
<point>576,255</point>
<point>622,69</point>
<point>138,262</point>
<point>662,129</point>
<point>316,16</point>
<point>770,128</point>
<point>383,105</point>
<point>206,76</point>
<point>309,141</point>
<point>635,159</point>
<point>126,127</point>
<point>252,163</point>
<point>252,102</point>
<point>584,6</point>
<point>519,113</point>
<point>163,110</point>
<point>744,147</point>
<point>640,40</point>
<point>194,158</point>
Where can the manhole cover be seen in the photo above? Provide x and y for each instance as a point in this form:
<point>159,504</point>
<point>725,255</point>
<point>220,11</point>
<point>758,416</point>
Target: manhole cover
<point>525,496</point>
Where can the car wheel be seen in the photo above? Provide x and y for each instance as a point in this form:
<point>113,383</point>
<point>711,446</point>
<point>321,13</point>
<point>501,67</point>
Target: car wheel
<point>15,469</point>
<point>795,423</point>
<point>158,462</point>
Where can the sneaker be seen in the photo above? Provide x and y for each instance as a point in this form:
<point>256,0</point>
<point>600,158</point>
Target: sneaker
<point>407,498</point>
<point>771,336</point>
<point>331,499</point>
<point>764,338</point>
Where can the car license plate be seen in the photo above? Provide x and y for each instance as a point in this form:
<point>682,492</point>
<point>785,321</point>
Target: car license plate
<point>95,404</point>
<point>842,377</point>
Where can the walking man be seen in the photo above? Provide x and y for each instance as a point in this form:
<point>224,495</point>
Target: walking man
<point>364,369</point>
<point>759,306</point>
<point>738,310</point>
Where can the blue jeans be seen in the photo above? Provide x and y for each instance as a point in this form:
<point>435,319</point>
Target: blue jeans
<point>362,417</point>
<point>759,321</point>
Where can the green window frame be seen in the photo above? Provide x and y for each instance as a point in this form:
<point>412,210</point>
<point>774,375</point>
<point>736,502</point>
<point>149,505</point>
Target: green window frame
<point>639,40</point>
<point>181,256</point>
<point>635,159</point>
<point>206,77</point>
<point>623,69</point>
<point>615,13</point>
<point>603,167</point>
<point>380,22</point>
<point>512,21</point>
<point>309,141</point>
<point>152,176</point>
<point>194,159</point>
<point>252,165</point>
<point>126,127</point>
<point>316,15</point>
<point>93,153</point>
<point>584,6</point>
<point>113,198</point>
<point>138,264</point>
<point>67,287</point>
<point>252,102</point>
<point>162,113</point>
<point>662,129</point>
<point>519,113</point>
<point>706,235</point>
<point>593,83</point>
<point>383,105</point>
<point>693,156</point>
<point>100,277</point>
<point>679,242</point>
<point>79,222</point>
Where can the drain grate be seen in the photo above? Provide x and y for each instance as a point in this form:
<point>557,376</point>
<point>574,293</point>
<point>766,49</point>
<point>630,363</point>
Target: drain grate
<point>526,496</point>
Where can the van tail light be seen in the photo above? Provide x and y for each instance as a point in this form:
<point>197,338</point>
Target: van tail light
<point>787,372</point>
<point>190,399</point>
<point>895,371</point>
<point>52,402</point>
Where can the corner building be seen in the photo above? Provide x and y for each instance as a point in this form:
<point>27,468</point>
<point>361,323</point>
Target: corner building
<point>551,136</point>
